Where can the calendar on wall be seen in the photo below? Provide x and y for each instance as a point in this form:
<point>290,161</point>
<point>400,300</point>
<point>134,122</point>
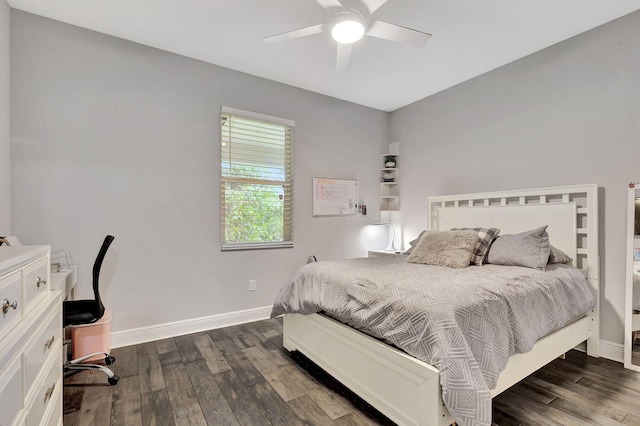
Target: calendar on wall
<point>334,197</point>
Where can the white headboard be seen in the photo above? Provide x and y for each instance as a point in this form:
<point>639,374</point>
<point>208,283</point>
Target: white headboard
<point>570,211</point>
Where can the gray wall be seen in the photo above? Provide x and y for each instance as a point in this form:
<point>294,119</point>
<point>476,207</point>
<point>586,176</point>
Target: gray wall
<point>5,131</point>
<point>113,137</point>
<point>569,114</point>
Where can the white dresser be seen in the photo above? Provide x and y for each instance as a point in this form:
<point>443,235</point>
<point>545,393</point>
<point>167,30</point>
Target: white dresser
<point>30,339</point>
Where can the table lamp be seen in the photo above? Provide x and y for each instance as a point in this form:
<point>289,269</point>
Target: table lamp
<point>389,246</point>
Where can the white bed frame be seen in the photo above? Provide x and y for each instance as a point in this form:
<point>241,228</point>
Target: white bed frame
<point>406,389</point>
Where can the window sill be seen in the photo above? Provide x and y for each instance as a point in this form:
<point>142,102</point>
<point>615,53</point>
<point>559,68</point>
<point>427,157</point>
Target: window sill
<point>255,246</point>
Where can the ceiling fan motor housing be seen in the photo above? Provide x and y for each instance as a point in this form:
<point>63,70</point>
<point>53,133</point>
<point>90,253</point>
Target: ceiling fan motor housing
<point>348,27</point>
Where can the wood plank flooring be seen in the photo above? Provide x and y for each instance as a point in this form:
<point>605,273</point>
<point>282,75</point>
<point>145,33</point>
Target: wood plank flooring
<point>240,375</point>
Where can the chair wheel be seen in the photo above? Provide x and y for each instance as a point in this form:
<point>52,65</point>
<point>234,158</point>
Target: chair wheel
<point>113,380</point>
<point>109,360</point>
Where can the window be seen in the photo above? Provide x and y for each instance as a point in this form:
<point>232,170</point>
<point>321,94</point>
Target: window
<point>256,180</point>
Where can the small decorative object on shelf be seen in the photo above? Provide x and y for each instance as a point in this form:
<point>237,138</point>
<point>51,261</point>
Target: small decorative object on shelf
<point>388,177</point>
<point>390,161</point>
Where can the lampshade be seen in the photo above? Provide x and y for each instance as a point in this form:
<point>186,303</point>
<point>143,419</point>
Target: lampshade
<point>347,31</point>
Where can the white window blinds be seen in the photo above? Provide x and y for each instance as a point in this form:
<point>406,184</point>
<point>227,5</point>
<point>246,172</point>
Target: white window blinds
<point>256,181</point>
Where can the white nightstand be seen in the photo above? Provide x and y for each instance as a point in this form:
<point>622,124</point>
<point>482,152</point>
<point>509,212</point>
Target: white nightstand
<point>374,253</point>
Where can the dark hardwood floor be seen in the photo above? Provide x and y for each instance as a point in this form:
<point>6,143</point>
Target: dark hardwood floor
<point>240,375</point>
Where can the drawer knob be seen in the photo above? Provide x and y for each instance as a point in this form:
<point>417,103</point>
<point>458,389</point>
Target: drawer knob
<point>47,395</point>
<point>6,305</point>
<point>50,342</point>
<point>40,282</point>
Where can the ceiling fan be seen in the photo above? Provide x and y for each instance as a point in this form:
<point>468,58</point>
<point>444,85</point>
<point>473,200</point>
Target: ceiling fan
<point>351,20</point>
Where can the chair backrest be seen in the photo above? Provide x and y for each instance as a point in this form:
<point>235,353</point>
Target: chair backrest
<point>96,273</point>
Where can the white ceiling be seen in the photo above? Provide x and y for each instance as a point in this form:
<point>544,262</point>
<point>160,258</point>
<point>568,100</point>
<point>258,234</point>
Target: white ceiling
<point>470,37</point>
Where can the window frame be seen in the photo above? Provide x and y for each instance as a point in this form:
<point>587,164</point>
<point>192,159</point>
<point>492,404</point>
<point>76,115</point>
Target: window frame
<point>287,241</point>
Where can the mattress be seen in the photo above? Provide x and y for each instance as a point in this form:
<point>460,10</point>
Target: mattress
<point>465,322</point>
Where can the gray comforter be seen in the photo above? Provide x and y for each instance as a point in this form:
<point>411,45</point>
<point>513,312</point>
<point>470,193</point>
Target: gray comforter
<point>465,322</point>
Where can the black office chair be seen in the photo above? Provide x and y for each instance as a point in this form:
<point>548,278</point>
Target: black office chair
<point>78,312</point>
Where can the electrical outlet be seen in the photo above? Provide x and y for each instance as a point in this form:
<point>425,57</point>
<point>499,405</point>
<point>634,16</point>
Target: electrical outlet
<point>252,285</point>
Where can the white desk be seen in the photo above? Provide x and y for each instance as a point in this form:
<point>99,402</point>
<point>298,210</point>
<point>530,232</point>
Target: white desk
<point>65,281</point>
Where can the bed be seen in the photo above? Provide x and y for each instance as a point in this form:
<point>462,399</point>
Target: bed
<point>408,390</point>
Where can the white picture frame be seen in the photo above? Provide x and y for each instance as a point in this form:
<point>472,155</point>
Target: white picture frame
<point>334,197</point>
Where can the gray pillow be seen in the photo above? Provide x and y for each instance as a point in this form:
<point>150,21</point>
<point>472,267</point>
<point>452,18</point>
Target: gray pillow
<point>485,238</point>
<point>530,249</point>
<point>445,248</point>
<point>558,256</point>
<point>414,243</point>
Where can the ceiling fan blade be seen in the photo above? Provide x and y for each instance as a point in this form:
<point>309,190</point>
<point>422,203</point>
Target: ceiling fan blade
<point>342,59</point>
<point>373,5</point>
<point>290,35</point>
<point>330,4</point>
<point>397,33</point>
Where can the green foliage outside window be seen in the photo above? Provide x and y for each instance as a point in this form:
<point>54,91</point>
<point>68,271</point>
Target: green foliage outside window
<point>254,213</point>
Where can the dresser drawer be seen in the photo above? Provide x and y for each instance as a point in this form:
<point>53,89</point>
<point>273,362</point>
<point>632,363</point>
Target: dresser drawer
<point>54,415</point>
<point>11,392</point>
<point>36,281</point>
<point>10,290</point>
<point>30,362</point>
<point>44,395</point>
<point>46,340</point>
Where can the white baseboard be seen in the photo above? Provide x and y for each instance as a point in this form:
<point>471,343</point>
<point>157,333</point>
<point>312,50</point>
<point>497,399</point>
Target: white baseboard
<point>135,336</point>
<point>609,350</point>
<point>612,351</point>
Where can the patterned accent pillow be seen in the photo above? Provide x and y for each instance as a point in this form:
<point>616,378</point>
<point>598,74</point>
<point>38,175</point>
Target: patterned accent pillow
<point>445,248</point>
<point>558,256</point>
<point>485,238</point>
<point>530,249</point>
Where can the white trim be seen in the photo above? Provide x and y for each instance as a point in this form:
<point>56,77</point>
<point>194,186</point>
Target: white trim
<point>630,319</point>
<point>258,116</point>
<point>555,190</point>
<point>611,350</point>
<point>135,336</point>
<point>256,246</point>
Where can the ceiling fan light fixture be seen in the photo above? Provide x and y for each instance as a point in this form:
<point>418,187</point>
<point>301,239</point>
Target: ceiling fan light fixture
<point>347,31</point>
